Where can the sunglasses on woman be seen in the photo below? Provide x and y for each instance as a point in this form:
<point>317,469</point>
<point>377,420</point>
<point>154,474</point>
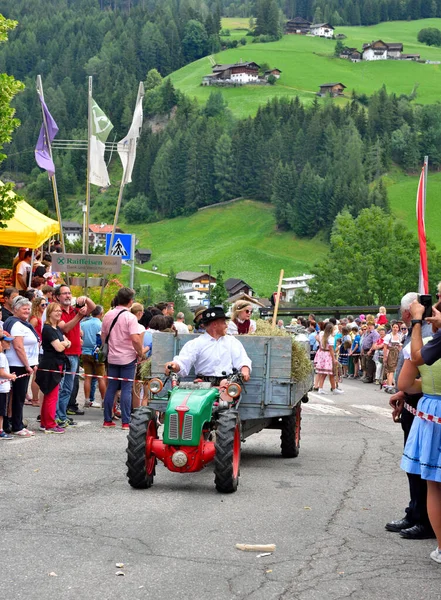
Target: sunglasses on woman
<point>248,311</point>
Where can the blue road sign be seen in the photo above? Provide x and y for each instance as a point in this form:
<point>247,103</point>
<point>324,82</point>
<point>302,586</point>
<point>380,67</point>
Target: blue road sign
<point>122,245</point>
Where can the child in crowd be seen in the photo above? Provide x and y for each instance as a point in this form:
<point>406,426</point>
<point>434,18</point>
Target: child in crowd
<point>355,351</point>
<point>5,382</point>
<point>343,356</point>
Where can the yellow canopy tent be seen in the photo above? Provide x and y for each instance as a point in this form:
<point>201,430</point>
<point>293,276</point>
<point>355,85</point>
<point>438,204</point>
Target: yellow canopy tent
<point>28,228</point>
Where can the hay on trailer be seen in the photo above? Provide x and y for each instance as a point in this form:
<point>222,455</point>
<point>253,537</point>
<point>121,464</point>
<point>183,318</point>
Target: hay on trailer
<point>301,366</point>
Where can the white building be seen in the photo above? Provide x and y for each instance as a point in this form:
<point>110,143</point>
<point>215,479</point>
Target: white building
<point>379,50</point>
<point>73,231</point>
<point>322,30</point>
<point>292,285</point>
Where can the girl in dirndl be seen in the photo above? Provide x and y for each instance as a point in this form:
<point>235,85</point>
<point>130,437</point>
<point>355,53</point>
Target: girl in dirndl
<point>325,360</point>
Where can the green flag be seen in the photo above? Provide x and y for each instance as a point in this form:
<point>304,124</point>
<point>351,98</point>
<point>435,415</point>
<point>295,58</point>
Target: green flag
<point>101,127</point>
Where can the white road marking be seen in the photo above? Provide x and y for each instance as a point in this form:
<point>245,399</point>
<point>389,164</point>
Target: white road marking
<point>379,410</point>
<point>325,409</point>
<point>321,397</point>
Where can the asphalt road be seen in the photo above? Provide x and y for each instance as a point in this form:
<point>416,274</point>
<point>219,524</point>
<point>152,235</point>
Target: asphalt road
<point>69,516</point>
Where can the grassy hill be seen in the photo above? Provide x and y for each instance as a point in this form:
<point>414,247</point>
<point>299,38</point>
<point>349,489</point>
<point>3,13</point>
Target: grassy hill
<point>306,62</point>
<point>402,190</point>
<point>239,238</point>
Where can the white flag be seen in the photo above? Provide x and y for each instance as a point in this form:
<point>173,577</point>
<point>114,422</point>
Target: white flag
<point>101,127</point>
<point>127,146</point>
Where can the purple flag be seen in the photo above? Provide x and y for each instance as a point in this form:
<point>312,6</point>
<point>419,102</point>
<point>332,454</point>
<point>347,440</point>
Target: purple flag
<point>42,154</point>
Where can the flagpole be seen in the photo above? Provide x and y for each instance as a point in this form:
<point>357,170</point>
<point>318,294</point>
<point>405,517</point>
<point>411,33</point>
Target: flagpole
<point>132,143</point>
<point>52,179</point>
<point>426,166</point>
<point>89,133</point>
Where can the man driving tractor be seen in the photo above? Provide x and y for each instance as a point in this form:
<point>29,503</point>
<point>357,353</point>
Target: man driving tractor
<point>213,354</point>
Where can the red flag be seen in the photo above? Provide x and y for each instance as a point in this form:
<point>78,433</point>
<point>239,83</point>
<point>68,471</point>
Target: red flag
<point>423,286</point>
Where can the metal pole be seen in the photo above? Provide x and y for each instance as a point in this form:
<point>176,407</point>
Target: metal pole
<point>52,179</point>
<point>209,285</point>
<point>132,264</point>
<point>89,134</point>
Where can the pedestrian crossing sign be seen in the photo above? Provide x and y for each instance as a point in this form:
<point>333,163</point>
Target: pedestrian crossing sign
<point>122,245</point>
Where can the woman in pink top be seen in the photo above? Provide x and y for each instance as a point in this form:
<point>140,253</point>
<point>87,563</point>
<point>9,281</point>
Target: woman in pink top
<point>121,331</point>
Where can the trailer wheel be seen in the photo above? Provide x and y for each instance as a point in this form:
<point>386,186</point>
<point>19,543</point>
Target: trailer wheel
<point>290,435</point>
<point>227,457</point>
<point>141,468</point>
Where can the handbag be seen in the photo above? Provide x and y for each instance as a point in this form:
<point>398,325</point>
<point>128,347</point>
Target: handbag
<point>103,352</point>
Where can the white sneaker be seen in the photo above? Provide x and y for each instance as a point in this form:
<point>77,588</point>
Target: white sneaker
<point>436,555</point>
<point>95,404</point>
<point>337,391</point>
<point>322,391</point>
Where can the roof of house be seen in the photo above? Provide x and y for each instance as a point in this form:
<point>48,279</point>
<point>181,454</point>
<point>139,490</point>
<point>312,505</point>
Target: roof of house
<point>316,25</point>
<point>331,84</point>
<point>410,55</point>
<point>271,70</point>
<point>385,45</point>
<point>71,225</point>
<point>103,228</point>
<point>143,250</point>
<point>191,275</point>
<point>239,64</point>
<point>299,20</point>
<point>233,282</point>
<point>243,296</point>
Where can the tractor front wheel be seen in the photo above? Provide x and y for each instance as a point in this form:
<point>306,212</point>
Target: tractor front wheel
<point>290,435</point>
<point>141,466</point>
<point>227,457</point>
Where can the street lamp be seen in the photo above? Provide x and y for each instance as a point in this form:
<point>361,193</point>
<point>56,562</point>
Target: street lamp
<point>209,282</point>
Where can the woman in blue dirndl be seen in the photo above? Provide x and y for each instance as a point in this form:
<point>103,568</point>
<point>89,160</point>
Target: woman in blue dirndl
<point>422,453</point>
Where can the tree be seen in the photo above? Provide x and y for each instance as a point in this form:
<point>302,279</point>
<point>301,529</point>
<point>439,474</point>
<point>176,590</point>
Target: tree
<point>9,87</point>
<point>219,294</point>
<point>431,36</point>
<point>223,168</point>
<point>339,47</point>
<point>172,293</point>
<point>153,79</point>
<point>195,40</point>
<point>372,276</point>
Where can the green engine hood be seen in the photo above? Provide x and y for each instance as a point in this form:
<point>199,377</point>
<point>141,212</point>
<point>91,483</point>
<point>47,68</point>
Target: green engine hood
<point>186,413</point>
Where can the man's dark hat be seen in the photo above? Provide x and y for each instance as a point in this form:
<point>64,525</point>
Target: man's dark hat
<point>212,313</point>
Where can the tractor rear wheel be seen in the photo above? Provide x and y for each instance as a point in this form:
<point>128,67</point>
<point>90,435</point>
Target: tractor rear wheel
<point>290,435</point>
<point>141,468</point>
<point>227,457</point>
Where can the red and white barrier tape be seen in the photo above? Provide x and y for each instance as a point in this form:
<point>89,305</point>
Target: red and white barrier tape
<point>422,415</point>
<point>82,374</point>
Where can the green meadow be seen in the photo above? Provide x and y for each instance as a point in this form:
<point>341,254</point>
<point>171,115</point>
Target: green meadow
<point>306,62</point>
<point>402,190</point>
<point>240,238</point>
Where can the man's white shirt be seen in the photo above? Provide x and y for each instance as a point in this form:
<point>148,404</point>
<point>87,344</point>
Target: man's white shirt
<point>181,327</point>
<point>212,357</point>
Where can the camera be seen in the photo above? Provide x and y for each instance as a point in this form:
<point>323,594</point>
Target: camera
<point>426,301</point>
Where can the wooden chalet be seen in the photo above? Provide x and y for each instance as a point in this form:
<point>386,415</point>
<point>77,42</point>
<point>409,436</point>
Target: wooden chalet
<point>331,89</point>
<point>236,286</point>
<point>143,255</point>
<point>275,72</point>
<point>237,71</point>
<point>298,26</point>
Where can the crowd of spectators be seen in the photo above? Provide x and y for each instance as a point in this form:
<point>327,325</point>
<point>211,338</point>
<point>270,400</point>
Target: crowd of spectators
<point>365,348</point>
